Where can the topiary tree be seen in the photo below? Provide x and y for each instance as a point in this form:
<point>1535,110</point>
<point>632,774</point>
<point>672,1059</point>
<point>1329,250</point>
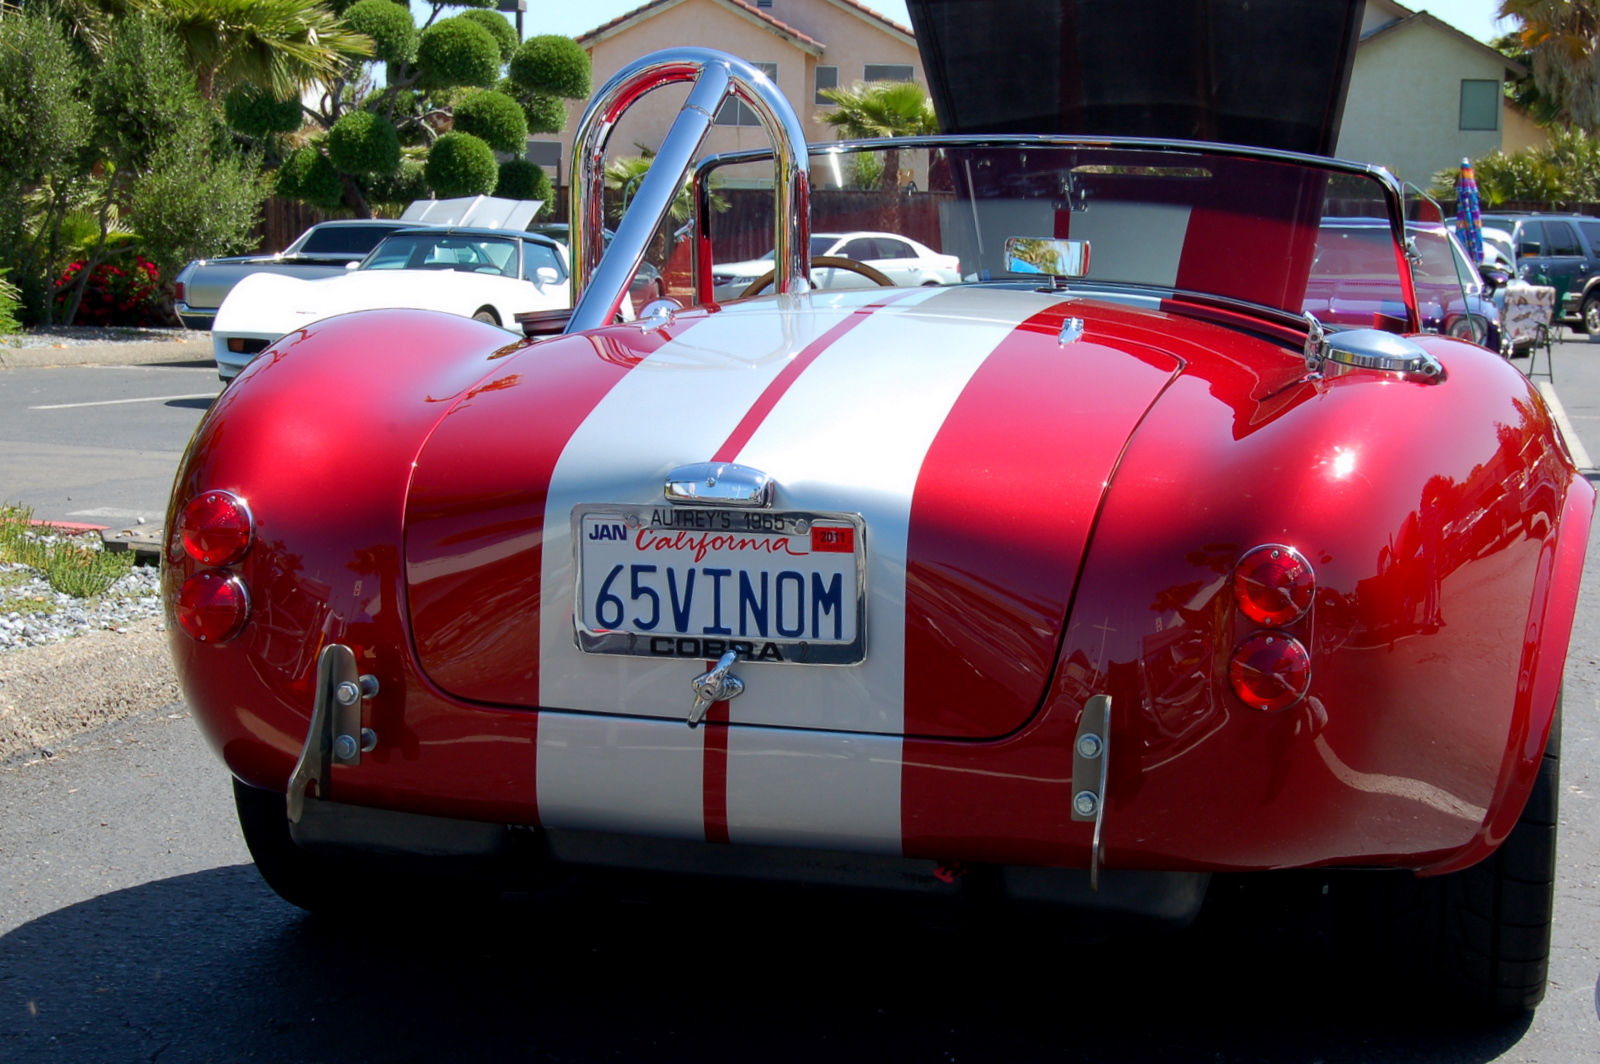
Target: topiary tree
<point>363,143</point>
<point>502,31</point>
<point>457,52</point>
<point>460,164</point>
<point>494,118</point>
<point>523,180</point>
<point>260,116</point>
<point>308,175</point>
<point>394,35</point>
<point>462,81</point>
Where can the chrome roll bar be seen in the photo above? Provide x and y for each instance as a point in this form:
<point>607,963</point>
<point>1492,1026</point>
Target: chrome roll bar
<point>600,282</point>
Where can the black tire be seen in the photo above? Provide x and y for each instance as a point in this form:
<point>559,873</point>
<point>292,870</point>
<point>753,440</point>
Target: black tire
<point>307,880</point>
<point>332,885</point>
<point>487,315</point>
<point>1589,314</point>
<point>1480,937</point>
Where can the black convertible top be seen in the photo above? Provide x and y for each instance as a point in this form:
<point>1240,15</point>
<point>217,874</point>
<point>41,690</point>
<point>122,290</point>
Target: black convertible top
<point>1267,73</point>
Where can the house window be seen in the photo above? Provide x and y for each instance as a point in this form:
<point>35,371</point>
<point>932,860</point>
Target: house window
<point>763,3</point>
<point>1480,104</point>
<point>735,112</point>
<point>888,71</point>
<point>827,78</point>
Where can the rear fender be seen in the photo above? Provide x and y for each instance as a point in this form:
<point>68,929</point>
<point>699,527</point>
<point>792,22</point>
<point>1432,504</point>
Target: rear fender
<point>317,436</point>
<point>1544,661</point>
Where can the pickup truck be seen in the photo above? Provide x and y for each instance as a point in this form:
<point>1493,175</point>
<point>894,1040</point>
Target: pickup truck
<point>329,248</point>
<point>324,250</point>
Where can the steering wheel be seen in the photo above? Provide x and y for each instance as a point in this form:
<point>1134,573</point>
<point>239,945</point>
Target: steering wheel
<point>820,262</point>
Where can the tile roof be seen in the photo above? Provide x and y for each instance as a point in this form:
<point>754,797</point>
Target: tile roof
<point>743,7</point>
<point>876,16</point>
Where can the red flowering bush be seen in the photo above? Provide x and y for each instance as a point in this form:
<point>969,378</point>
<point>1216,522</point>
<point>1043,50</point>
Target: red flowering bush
<point>115,295</point>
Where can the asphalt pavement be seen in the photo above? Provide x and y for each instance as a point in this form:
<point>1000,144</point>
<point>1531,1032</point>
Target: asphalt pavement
<point>132,926</point>
<point>99,444</point>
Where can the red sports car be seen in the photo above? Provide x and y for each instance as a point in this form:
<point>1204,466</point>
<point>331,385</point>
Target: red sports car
<point>1106,570</point>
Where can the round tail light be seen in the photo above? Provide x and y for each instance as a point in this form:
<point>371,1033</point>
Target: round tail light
<point>212,606</point>
<point>215,528</point>
<point>1270,671</point>
<point>1274,584</point>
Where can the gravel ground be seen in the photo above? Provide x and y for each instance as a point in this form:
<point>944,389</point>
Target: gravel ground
<point>32,615</point>
<point>91,336</point>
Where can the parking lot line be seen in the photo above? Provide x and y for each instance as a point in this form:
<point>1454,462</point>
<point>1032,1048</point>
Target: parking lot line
<point>1568,433</point>
<point>118,402</point>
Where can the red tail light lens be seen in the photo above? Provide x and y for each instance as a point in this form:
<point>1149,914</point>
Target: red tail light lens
<point>1274,584</point>
<point>215,528</point>
<point>212,606</point>
<point>1270,671</point>
<point>177,292</point>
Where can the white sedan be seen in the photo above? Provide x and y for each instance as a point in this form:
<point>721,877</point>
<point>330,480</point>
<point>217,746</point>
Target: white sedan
<point>488,274</point>
<point>902,260</point>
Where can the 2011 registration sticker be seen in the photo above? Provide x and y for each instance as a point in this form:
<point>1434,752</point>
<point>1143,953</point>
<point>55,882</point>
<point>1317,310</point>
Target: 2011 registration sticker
<point>696,582</point>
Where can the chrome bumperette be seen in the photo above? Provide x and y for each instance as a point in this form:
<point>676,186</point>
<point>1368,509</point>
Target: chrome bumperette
<point>335,735</point>
<point>1091,748</point>
<point>599,284</point>
<point>718,484</point>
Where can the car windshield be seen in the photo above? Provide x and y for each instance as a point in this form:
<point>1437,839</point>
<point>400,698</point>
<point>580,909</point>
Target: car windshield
<point>1149,223</point>
<point>445,251</point>
<point>352,240</point>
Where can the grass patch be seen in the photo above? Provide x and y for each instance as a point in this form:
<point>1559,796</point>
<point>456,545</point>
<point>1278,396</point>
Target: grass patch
<point>69,566</point>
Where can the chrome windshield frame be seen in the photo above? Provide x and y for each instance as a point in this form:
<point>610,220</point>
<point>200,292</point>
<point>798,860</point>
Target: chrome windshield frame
<point>1394,194</point>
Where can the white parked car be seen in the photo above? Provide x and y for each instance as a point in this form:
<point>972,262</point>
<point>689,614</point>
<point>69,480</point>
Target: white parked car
<point>902,260</point>
<point>488,274</point>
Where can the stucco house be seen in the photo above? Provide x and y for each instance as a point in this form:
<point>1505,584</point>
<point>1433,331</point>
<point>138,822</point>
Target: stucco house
<point>1424,95</point>
<point>805,46</point>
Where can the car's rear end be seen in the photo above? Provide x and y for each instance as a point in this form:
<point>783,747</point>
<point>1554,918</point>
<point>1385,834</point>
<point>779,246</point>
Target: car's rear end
<point>1073,587</point>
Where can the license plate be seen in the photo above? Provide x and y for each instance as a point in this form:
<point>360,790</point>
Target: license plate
<point>698,581</point>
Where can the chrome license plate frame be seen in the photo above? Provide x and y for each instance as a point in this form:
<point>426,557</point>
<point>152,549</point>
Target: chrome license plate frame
<point>693,530</point>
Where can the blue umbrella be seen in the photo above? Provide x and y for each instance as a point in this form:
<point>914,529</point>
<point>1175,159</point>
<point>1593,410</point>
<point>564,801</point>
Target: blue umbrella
<point>1469,226</point>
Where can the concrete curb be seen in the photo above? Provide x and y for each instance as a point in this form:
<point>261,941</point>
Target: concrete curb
<point>51,693</point>
<point>109,354</point>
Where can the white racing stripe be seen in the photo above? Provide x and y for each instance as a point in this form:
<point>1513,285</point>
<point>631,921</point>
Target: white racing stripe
<point>849,435</point>
<point>675,408</point>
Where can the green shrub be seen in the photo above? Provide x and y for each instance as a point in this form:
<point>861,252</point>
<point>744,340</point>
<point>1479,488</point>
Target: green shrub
<point>457,52</point>
<point>393,33</point>
<point>504,34</point>
<point>257,114</point>
<point>495,118</point>
<point>460,164</point>
<point>114,295</point>
<point>70,567</point>
<point>522,180</point>
<point>10,304</point>
<point>364,143</point>
<point>554,65</point>
<point>308,175</point>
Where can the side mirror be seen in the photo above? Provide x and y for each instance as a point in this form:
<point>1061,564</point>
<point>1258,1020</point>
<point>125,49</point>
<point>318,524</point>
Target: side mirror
<point>1493,277</point>
<point>352,265</point>
<point>547,275</point>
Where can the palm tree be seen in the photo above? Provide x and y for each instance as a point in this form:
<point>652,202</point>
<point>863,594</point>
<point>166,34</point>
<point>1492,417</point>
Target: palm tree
<point>279,45</point>
<point>1563,39</point>
<point>882,109</point>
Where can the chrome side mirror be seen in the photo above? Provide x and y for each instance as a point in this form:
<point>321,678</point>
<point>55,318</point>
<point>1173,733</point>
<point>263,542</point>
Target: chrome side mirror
<point>600,283</point>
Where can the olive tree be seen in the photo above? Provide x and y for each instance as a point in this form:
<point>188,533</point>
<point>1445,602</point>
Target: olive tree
<point>108,154</point>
